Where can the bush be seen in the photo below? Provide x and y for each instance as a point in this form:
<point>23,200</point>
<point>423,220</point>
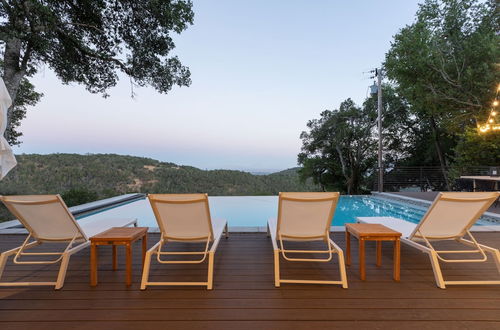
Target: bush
<point>79,196</point>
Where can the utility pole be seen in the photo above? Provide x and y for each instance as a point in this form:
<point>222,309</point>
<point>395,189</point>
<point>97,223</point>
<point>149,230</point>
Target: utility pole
<point>378,74</point>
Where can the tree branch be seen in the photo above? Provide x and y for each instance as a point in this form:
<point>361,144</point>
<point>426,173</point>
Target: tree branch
<point>26,56</point>
<point>7,6</point>
<point>93,54</point>
<point>85,25</point>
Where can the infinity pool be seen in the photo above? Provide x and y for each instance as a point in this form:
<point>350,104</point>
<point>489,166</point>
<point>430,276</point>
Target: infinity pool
<point>254,211</point>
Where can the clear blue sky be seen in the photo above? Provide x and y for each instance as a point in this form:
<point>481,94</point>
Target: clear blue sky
<point>260,71</point>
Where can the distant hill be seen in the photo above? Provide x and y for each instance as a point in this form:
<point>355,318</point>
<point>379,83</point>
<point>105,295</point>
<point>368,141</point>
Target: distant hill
<point>105,175</point>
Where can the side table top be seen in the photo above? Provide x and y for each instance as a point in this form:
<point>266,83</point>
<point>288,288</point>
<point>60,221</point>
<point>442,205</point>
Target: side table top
<point>120,233</point>
<point>370,229</point>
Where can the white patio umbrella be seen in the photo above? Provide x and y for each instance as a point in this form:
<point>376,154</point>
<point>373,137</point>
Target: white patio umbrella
<point>7,159</point>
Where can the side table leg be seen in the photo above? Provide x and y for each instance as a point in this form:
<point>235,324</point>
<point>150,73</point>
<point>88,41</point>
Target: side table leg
<point>362,271</point>
<point>144,248</point>
<point>397,259</point>
<point>114,258</point>
<point>128,248</point>
<point>93,265</point>
<point>347,248</point>
<point>379,253</point>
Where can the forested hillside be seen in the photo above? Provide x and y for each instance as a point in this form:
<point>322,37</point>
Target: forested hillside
<point>83,178</point>
<point>106,175</point>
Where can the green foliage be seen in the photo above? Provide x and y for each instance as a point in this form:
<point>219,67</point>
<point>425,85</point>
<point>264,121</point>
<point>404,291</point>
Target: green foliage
<point>339,149</point>
<point>77,196</point>
<point>478,149</point>
<point>444,64</point>
<point>26,96</point>
<point>399,126</point>
<point>88,41</point>
<point>84,178</point>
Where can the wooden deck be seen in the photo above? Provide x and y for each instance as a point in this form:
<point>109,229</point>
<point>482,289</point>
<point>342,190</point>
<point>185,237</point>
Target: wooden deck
<point>244,296</point>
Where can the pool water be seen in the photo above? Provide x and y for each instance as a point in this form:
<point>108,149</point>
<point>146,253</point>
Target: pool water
<point>254,211</point>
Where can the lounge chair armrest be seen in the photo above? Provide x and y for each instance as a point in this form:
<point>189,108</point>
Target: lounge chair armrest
<point>218,228</point>
<point>272,225</point>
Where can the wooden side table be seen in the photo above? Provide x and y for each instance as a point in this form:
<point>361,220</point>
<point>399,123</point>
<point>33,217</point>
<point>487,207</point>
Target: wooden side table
<point>372,232</point>
<point>117,236</point>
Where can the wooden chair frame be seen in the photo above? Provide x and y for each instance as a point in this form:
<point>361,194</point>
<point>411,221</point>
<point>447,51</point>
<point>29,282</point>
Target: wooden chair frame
<point>434,256</point>
<point>416,238</point>
<point>64,256</point>
<point>332,248</point>
<point>209,250</point>
<point>437,255</point>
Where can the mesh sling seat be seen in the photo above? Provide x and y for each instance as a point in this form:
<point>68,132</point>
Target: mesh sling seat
<point>450,217</point>
<point>184,218</point>
<point>305,217</point>
<point>48,220</point>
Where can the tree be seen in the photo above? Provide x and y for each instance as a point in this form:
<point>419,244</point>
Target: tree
<point>444,64</point>
<point>399,126</point>
<point>339,149</point>
<point>89,41</point>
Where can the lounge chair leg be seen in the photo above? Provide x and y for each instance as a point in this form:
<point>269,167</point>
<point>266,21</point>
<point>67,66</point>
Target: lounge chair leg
<point>210,280</point>
<point>277,268</point>
<point>438,275</point>
<point>226,231</point>
<point>343,275</point>
<point>62,271</point>
<point>496,256</point>
<point>3,261</point>
<point>145,270</point>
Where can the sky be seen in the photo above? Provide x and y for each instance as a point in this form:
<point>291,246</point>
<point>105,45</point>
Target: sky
<point>260,70</point>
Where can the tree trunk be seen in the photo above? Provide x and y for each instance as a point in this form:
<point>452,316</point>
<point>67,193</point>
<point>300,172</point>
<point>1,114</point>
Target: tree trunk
<point>344,170</point>
<point>439,151</point>
<point>13,72</point>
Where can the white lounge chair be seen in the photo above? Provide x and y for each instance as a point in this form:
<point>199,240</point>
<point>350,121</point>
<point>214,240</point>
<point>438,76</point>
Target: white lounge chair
<point>305,217</point>
<point>184,218</point>
<point>450,217</point>
<point>48,220</point>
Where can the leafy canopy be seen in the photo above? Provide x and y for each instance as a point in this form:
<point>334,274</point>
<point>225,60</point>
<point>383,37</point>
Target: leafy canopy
<point>445,63</point>
<point>339,147</point>
<point>87,41</point>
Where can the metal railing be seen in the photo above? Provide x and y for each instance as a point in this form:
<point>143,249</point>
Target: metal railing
<point>425,178</point>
